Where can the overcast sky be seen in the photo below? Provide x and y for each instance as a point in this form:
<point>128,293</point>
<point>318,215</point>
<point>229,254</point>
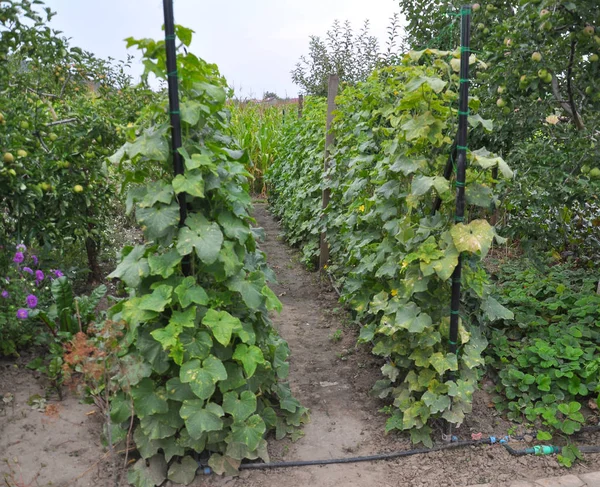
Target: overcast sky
<point>256,43</point>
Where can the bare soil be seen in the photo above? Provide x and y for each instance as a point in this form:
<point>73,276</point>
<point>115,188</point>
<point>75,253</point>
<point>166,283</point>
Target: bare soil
<point>60,445</point>
<point>48,443</point>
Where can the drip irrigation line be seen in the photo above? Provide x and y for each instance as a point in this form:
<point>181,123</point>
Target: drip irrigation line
<point>536,450</point>
<point>368,458</point>
<point>541,450</point>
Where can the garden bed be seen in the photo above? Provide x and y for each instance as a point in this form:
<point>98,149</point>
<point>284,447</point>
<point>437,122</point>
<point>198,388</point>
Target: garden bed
<point>329,374</point>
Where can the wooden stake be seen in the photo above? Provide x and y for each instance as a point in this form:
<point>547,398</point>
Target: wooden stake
<point>332,91</point>
<point>300,105</point>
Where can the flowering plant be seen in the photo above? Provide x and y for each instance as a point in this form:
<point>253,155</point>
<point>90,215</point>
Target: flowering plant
<point>24,287</point>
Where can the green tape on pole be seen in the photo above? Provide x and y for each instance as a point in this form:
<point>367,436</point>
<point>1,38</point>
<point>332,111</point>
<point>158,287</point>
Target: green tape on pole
<point>462,80</point>
<point>459,184</point>
<point>452,343</point>
<point>459,219</point>
<point>172,73</point>
<point>462,147</point>
<point>454,312</point>
<point>460,112</point>
<point>170,37</point>
<point>175,112</point>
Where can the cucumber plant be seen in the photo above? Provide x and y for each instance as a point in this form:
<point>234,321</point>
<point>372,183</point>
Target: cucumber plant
<point>393,257</point>
<point>203,366</point>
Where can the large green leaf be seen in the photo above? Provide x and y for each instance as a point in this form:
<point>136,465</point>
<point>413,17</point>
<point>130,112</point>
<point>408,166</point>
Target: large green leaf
<point>223,464</point>
<point>200,419</point>
<point>250,288</point>
<point>217,93</point>
<point>178,391</point>
<point>158,221</point>
<point>249,432</point>
<point>189,292</point>
<point>152,350</point>
<point>168,336</point>
<point>486,160</point>
<point>202,376</point>
<point>196,344</point>
<point>135,368</point>
<point>184,471</point>
<point>495,311</point>
<point>159,426</point>
<point>419,126</point>
<point>190,111</point>
<point>148,398</point>
<point>199,160</point>
<point>157,192</point>
<point>272,300</point>
<point>234,227</point>
<point>120,408</point>
<point>133,314</point>
<point>199,234</point>
<point>132,267</point>
<point>164,265</point>
<point>250,357</point>
<point>191,183</point>
<point>152,144</point>
<point>142,475</point>
<point>443,362</point>
<point>239,408</point>
<point>436,84</point>
<point>157,300</point>
<point>222,325</point>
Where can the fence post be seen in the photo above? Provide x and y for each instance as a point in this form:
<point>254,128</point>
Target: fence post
<point>332,90</point>
<point>300,105</point>
<point>461,169</point>
<point>174,113</point>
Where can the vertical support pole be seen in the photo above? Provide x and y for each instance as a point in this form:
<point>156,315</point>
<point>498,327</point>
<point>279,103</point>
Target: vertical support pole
<point>493,209</point>
<point>300,105</point>
<point>174,112</point>
<point>461,169</point>
<point>332,91</point>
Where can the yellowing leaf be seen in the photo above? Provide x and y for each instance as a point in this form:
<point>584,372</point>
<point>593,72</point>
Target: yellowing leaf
<point>476,237</point>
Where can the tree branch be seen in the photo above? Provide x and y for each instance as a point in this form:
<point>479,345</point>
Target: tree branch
<point>556,92</point>
<point>62,122</point>
<point>576,118</point>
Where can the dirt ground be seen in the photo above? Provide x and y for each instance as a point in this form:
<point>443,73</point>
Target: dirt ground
<point>61,445</point>
<point>45,443</point>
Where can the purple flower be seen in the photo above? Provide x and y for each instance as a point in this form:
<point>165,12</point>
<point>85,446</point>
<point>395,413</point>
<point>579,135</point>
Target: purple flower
<point>28,270</point>
<point>31,301</point>
<point>39,276</point>
<point>58,273</point>
<point>21,248</point>
<point>35,259</point>
<point>18,258</point>
<point>5,294</point>
<point>22,314</point>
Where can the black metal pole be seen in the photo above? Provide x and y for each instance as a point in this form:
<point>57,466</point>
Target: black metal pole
<point>174,113</point>
<point>461,169</point>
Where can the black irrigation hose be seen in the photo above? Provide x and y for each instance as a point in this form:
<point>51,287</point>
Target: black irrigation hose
<point>538,450</point>
<point>368,458</point>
